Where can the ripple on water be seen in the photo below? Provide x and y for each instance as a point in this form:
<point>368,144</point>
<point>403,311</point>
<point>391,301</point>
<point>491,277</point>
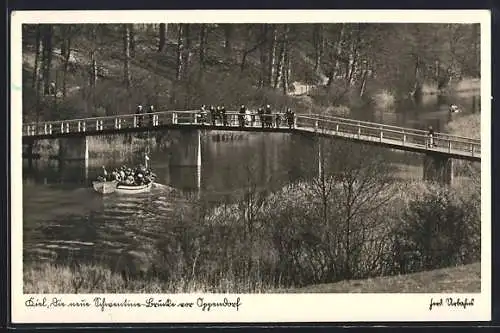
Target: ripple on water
<point>79,225</point>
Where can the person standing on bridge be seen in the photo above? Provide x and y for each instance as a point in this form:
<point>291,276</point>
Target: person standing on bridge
<point>290,117</point>
<point>260,112</point>
<point>241,116</point>
<point>278,119</point>
<point>223,115</point>
<point>212,114</point>
<point>269,117</point>
<point>202,114</point>
<point>431,137</point>
<point>151,110</point>
<point>139,116</point>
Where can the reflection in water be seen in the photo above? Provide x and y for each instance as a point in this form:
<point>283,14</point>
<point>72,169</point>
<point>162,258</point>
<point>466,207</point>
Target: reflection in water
<point>64,219</point>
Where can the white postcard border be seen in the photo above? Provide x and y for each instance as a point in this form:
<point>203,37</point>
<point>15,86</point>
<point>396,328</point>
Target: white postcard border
<point>254,307</point>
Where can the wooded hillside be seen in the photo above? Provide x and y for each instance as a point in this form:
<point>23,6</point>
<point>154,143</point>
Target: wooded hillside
<point>81,70</point>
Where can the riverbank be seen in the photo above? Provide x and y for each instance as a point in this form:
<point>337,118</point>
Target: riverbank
<point>460,279</point>
<point>466,85</point>
<point>49,278</point>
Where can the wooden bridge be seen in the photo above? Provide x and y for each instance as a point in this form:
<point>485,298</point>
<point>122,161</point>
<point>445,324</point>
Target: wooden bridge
<point>444,145</point>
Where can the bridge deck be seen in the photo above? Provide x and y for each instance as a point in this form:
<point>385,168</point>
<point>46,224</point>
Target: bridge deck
<point>366,132</point>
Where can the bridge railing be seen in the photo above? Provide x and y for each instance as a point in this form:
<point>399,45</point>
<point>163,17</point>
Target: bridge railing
<point>189,117</point>
<point>316,123</point>
<point>409,130</point>
<point>390,134</point>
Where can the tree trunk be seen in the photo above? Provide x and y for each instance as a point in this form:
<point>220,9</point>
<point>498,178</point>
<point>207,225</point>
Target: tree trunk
<point>180,47</point>
<point>279,66</point>
<point>126,54</point>
<point>163,37</point>
<point>132,40</point>
<point>47,59</point>
<point>353,59</point>
<point>417,90</point>
<point>318,41</point>
<point>64,34</point>
<point>363,83</point>
<point>38,49</point>
<point>338,52</point>
<point>203,45</point>
<point>67,55</point>
<point>286,71</point>
<point>187,50</point>
<point>272,55</point>
<point>263,57</point>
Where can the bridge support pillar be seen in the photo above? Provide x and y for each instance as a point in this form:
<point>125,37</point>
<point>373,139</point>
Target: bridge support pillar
<point>74,149</point>
<point>28,152</point>
<point>185,159</point>
<point>438,168</point>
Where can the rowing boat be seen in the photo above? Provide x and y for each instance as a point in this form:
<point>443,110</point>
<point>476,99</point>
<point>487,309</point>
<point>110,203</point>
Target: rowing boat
<point>105,187</point>
<point>108,187</point>
<point>133,189</point>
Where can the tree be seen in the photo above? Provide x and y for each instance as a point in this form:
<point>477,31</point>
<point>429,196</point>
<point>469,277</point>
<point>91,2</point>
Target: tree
<point>66,52</point>
<point>351,196</point>
<point>334,72</point>
<point>180,51</point>
<point>318,41</point>
<point>163,37</point>
<point>203,46</point>
<point>47,58</point>
<point>272,54</point>
<point>126,54</point>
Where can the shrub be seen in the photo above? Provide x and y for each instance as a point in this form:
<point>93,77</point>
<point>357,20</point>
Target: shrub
<point>437,230</point>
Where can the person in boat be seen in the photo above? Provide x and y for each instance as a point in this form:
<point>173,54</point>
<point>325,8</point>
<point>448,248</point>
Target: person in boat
<point>431,137</point>
<point>104,176</point>
<point>139,111</point>
<point>115,175</point>
<point>454,108</point>
<point>260,112</point>
<point>241,116</point>
<point>290,117</point>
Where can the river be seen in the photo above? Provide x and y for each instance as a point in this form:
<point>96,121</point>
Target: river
<point>63,219</point>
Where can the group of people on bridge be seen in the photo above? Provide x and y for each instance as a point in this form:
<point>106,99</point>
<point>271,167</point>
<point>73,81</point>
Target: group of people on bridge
<point>246,117</point>
<point>216,115</point>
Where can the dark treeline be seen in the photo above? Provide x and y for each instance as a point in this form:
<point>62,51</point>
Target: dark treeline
<point>85,69</point>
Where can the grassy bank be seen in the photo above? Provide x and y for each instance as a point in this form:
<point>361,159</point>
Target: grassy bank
<point>69,279</point>
<point>460,279</point>
<point>49,278</point>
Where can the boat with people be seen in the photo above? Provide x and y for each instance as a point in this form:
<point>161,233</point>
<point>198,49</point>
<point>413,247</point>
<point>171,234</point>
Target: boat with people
<point>125,180</point>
